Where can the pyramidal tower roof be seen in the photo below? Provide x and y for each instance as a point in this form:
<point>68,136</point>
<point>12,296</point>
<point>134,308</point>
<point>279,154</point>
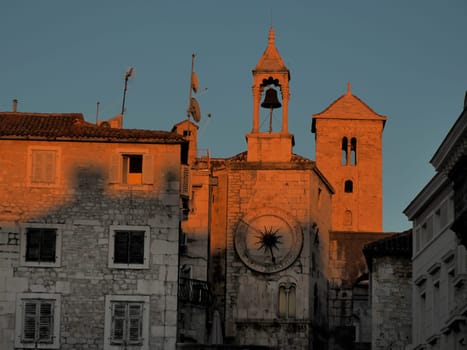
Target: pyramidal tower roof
<point>348,106</point>
<point>271,60</point>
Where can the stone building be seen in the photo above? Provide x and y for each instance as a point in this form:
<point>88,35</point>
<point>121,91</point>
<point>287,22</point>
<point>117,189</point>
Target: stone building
<point>390,283</point>
<point>439,258</point>
<point>285,234</point>
<point>113,237</point>
<point>89,235</point>
<point>348,135</point>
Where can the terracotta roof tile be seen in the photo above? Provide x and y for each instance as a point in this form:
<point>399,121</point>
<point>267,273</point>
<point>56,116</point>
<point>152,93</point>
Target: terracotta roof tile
<point>73,127</point>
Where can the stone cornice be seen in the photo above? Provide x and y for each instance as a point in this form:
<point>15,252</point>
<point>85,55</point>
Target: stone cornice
<point>453,146</point>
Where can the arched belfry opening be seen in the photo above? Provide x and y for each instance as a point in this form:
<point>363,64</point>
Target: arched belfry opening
<point>270,98</point>
<point>269,139</point>
<point>270,73</point>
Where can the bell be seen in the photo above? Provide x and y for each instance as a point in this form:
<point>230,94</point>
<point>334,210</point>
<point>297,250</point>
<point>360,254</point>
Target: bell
<point>270,99</point>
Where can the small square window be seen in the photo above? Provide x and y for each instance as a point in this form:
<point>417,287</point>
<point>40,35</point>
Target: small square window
<point>130,168</point>
<point>126,322</point>
<point>41,245</point>
<point>37,322</point>
<point>129,247</point>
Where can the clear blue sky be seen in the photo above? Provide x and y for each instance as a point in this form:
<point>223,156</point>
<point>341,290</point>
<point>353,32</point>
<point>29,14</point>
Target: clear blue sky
<point>406,59</point>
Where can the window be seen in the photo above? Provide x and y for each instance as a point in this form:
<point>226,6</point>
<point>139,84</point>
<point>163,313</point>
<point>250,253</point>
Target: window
<point>129,247</point>
<point>422,315</point>
<point>319,197</point>
<point>344,147</point>
<point>43,166</point>
<point>347,218</point>
<point>126,322</point>
<point>287,301</point>
<point>132,168</point>
<point>353,151</point>
<point>348,186</point>
<point>41,245</point>
<point>37,321</point>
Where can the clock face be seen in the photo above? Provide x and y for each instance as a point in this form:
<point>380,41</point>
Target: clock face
<point>268,240</point>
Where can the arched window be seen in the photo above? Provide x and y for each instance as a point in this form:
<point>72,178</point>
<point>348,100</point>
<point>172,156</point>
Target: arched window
<point>287,301</point>
<point>348,218</point>
<point>348,186</point>
<point>345,145</point>
<point>353,151</point>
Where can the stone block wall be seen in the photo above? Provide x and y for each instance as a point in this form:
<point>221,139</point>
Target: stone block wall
<point>252,297</point>
<point>391,299</point>
<point>84,205</point>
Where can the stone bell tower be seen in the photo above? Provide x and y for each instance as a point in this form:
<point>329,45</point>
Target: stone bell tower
<point>348,137</point>
<point>270,76</point>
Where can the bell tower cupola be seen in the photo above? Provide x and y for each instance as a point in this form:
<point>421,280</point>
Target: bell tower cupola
<point>270,83</point>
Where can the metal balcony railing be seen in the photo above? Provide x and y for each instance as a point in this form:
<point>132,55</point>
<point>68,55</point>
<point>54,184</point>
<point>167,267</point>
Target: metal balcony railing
<point>194,291</point>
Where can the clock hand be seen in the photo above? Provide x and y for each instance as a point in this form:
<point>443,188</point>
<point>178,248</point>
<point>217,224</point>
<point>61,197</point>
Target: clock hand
<point>273,258</point>
<point>252,227</point>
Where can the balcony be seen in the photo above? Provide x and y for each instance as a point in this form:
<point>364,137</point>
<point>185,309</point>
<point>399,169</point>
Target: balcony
<point>194,292</point>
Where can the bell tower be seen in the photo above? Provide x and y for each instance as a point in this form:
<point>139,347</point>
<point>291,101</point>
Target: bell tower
<point>270,77</point>
<point>348,137</point>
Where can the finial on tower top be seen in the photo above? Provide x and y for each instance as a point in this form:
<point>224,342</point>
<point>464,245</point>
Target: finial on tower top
<point>271,36</point>
<point>349,88</point>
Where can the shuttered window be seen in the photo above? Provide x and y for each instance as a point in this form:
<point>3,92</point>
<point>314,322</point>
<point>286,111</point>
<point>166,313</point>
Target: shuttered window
<point>132,169</point>
<point>41,245</point>
<point>129,247</point>
<point>38,316</point>
<point>43,166</point>
<point>127,323</point>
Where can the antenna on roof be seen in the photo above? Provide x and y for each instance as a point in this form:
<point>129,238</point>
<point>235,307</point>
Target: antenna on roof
<point>97,111</point>
<point>130,72</point>
<point>193,105</point>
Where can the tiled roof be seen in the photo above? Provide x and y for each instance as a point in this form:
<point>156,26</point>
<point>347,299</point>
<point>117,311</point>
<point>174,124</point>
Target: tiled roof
<point>399,244</point>
<point>348,106</point>
<point>73,127</point>
<point>242,157</point>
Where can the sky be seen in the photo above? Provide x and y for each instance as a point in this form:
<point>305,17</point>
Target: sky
<point>406,59</point>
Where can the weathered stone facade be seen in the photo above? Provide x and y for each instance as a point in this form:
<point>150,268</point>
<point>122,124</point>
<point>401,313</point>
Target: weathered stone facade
<point>85,205</point>
<point>439,255</point>
<point>269,180</point>
<point>389,261</point>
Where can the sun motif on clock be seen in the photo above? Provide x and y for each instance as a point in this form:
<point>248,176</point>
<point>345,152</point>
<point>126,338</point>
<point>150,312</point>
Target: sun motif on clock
<point>268,240</point>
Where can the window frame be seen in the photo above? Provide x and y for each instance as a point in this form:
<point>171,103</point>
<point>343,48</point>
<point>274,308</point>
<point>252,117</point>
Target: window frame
<point>55,299</point>
<point>119,167</point>
<point>290,294</point>
<point>24,243</point>
<point>30,166</point>
<point>112,299</point>
<point>147,241</point>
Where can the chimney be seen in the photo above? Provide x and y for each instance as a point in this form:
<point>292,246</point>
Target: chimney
<point>15,105</point>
